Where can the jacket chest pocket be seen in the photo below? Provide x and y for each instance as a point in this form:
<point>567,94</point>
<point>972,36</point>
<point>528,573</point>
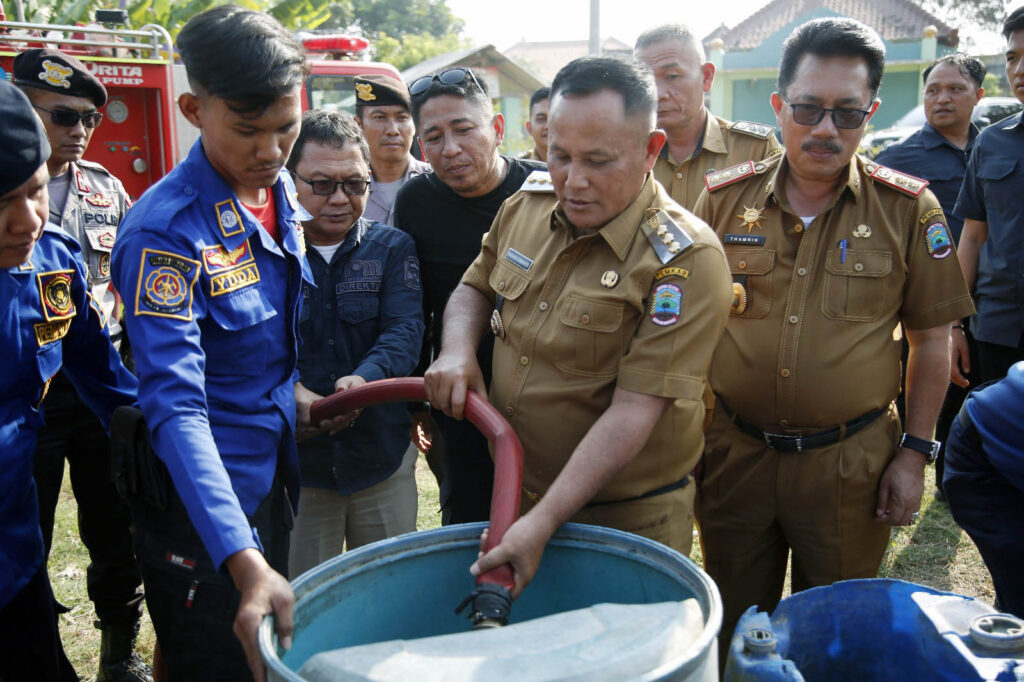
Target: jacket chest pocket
<point>509,283</point>
<point>1002,188</point>
<point>856,290</point>
<point>753,269</point>
<point>358,308</point>
<point>240,337</point>
<point>589,340</point>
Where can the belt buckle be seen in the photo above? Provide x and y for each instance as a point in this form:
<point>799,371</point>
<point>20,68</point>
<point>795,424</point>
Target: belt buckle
<point>798,440</point>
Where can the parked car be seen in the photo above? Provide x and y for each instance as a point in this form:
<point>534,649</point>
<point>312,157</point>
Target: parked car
<point>988,111</point>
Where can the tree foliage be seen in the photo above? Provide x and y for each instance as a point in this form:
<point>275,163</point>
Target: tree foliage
<point>988,14</point>
<point>414,48</point>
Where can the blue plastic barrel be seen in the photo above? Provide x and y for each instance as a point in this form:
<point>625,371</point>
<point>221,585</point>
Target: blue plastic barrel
<point>875,631</point>
<point>395,599</point>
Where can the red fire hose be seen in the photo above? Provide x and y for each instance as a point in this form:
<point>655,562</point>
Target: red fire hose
<point>508,451</point>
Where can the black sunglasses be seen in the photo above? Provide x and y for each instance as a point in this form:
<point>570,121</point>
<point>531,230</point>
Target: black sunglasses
<point>448,77</point>
<point>811,115</point>
<point>70,118</point>
<point>325,188</point>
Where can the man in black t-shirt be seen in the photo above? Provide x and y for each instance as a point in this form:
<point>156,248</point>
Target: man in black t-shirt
<point>447,212</point>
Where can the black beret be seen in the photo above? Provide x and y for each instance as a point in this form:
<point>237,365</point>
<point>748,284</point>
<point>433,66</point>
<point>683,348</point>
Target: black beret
<point>381,91</point>
<point>58,72</point>
<point>23,144</point>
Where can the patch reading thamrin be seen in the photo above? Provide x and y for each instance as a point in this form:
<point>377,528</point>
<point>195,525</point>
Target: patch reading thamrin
<point>165,285</point>
<point>55,294</point>
<point>233,280</point>
<point>666,304</point>
<point>745,239</point>
<point>518,259</point>
<point>218,259</point>
<point>939,242</point>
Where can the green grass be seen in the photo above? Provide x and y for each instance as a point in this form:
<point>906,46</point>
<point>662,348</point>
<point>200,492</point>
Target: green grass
<point>935,552</point>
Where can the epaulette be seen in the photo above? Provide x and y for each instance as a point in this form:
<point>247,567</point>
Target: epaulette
<point>92,165</point>
<point>665,235</point>
<point>719,179</point>
<point>538,181</point>
<point>750,128</point>
<point>907,184</point>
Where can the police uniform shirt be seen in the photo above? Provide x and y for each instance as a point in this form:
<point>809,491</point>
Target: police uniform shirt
<point>211,308</point>
<point>723,145</point>
<point>928,155</point>
<point>991,193</point>
<point>584,316</point>
<point>810,341</point>
<point>380,206</point>
<point>49,323</point>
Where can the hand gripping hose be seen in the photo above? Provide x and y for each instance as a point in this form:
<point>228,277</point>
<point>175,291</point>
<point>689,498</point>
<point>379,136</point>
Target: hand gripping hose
<point>492,597</point>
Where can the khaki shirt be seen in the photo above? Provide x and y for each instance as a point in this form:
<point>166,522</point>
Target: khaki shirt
<point>815,344</point>
<point>532,155</point>
<point>579,321</point>
<point>725,144</point>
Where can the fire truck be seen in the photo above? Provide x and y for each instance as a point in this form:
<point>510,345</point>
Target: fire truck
<point>143,135</point>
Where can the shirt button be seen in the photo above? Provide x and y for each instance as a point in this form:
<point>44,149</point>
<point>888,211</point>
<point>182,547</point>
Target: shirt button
<point>543,305</point>
<point>794,319</point>
<point>585,319</point>
<point>328,306</point>
<point>679,176</point>
<point>333,377</point>
<point>190,190</point>
<point>784,373</point>
<point>509,411</point>
<point>858,267</point>
<point>801,271</point>
<point>501,286</point>
<point>524,361</point>
<point>742,265</point>
<point>783,422</point>
<point>799,227</point>
<point>330,342</point>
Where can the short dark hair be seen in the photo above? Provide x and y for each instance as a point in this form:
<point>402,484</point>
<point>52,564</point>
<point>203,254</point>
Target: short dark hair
<point>833,37</point>
<point>970,67</point>
<point>328,129</point>
<point>243,57</point>
<point>627,77</point>
<point>539,95</point>
<point>1014,22</point>
<point>467,90</point>
<point>676,32</point>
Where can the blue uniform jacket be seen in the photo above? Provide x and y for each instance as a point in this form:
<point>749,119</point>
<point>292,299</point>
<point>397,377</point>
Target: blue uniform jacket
<point>364,318</point>
<point>991,193</point>
<point>211,309</point>
<point>928,155</point>
<point>997,411</point>
<point>48,321</point>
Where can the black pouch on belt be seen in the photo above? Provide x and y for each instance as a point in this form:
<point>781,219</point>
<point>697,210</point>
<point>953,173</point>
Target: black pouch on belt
<point>135,470</point>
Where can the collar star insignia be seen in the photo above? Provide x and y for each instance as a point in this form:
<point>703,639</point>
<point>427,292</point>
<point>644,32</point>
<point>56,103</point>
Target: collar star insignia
<point>751,217</point>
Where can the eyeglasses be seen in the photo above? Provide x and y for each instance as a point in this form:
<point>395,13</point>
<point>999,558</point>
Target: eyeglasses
<point>325,188</point>
<point>811,115</point>
<point>448,77</point>
<point>70,118</point>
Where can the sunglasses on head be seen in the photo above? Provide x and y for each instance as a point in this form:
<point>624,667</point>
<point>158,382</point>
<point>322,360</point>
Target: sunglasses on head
<point>70,118</point>
<point>325,188</point>
<point>811,114</point>
<point>448,77</point>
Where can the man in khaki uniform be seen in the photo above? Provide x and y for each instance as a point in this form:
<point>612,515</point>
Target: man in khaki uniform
<point>828,254</point>
<point>607,300</point>
<point>698,142</point>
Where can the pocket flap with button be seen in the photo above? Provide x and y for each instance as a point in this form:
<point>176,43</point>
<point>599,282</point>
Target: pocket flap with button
<point>747,261</point>
<point>996,169</point>
<point>242,309</point>
<point>507,281</point>
<point>859,263</point>
<point>357,308</point>
<point>586,313</point>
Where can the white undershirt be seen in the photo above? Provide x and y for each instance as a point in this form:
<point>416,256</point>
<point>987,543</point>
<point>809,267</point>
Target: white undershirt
<point>327,251</point>
<point>808,220</point>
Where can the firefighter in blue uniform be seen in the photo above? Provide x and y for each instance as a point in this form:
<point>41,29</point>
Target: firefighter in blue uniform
<point>210,265</point>
<point>48,321</point>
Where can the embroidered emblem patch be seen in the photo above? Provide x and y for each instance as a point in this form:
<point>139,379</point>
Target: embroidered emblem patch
<point>104,265</point>
<point>165,285</point>
<point>56,74</point>
<point>234,279</point>
<point>412,273</point>
<point>218,259</point>
<point>55,294</point>
<point>48,332</point>
<point>939,242</point>
<point>364,91</point>
<point>518,259</point>
<point>228,218</point>
<point>98,199</point>
<point>668,272</point>
<point>666,304</point>
<point>744,239</point>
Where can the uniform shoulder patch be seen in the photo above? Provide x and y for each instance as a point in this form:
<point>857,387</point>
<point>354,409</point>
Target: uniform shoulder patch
<point>907,184</point>
<point>665,235</point>
<point>538,181</point>
<point>92,165</point>
<point>166,282</point>
<point>750,128</point>
<point>719,179</point>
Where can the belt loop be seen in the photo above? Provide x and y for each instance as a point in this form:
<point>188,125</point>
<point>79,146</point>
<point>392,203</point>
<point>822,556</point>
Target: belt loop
<point>799,444</point>
<point>842,432</point>
<point>767,439</point>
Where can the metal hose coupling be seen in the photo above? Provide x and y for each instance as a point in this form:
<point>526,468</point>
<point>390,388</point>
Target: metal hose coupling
<point>491,606</point>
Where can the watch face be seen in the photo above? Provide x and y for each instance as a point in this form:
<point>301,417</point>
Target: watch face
<point>117,111</point>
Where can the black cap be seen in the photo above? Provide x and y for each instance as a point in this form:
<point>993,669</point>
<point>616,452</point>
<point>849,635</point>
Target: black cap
<point>53,70</point>
<point>376,90</point>
<point>23,144</point>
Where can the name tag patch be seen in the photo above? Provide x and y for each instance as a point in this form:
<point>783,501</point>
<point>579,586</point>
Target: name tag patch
<point>234,279</point>
<point>48,332</point>
<point>165,285</point>
<point>666,304</point>
<point>361,285</point>
<point>518,259</point>
<point>744,239</point>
